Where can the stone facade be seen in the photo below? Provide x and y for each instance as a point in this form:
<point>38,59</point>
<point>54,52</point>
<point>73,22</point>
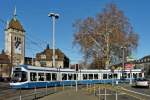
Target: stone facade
<point>5,66</point>
<point>29,61</point>
<point>45,58</point>
<point>15,41</point>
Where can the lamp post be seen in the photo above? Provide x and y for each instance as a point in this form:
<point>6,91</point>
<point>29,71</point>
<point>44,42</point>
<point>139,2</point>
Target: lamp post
<point>123,59</point>
<point>130,76</point>
<point>107,51</point>
<point>54,16</point>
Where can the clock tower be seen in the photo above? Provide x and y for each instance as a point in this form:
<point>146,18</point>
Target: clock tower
<point>15,41</point>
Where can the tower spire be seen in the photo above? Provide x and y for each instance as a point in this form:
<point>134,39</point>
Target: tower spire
<point>7,24</point>
<point>15,13</point>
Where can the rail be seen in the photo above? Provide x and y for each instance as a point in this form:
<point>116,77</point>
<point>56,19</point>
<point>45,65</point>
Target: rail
<point>30,94</point>
<point>118,89</point>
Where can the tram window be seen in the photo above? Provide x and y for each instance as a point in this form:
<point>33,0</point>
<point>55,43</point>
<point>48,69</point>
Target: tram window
<point>95,76</point>
<point>110,76</point>
<point>33,76</point>
<point>75,76</point>
<point>48,76</point>
<point>124,75</point>
<point>16,74</point>
<point>115,75</point>
<point>64,76</point>
<point>54,76</point>
<point>84,76</point>
<point>41,76</point>
<point>19,76</point>
<point>140,74</point>
<point>128,75</point>
<point>24,77</point>
<point>69,76</point>
<point>104,76</point>
<point>134,75</point>
<point>90,76</point>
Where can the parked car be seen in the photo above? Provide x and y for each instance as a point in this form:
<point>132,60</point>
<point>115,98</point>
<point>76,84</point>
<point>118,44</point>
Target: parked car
<point>142,82</point>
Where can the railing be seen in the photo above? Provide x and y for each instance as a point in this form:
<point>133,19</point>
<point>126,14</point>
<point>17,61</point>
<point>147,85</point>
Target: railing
<point>31,94</point>
<point>100,90</point>
<point>97,90</point>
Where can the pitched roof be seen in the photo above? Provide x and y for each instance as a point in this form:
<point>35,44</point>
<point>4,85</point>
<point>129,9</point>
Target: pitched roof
<point>15,24</point>
<point>4,59</point>
<point>49,53</point>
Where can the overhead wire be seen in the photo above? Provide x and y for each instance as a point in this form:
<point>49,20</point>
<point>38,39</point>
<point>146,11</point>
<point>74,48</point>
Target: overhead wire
<point>29,40</point>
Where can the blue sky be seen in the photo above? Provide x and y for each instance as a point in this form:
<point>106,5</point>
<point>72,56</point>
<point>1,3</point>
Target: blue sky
<point>33,15</point>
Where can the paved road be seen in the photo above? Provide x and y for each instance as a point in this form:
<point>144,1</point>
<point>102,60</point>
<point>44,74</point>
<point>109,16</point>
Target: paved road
<point>7,94</point>
<point>143,90</point>
<point>111,95</point>
<point>71,94</point>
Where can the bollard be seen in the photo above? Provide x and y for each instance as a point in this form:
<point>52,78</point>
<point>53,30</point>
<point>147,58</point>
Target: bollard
<point>76,85</point>
<point>55,88</point>
<point>94,90</point>
<point>35,92</point>
<point>116,96</point>
<point>99,93</point>
<point>71,84</point>
<point>87,86</point>
<point>20,94</point>
<point>90,87</point>
<point>63,86</point>
<point>46,89</point>
<point>116,82</point>
<point>105,93</point>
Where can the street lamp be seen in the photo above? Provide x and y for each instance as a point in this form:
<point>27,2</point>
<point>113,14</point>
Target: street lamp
<point>107,50</point>
<point>54,16</point>
<point>123,56</point>
<point>123,59</point>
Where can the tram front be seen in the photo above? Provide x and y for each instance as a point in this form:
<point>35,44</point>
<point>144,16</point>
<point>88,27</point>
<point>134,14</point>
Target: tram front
<point>19,78</point>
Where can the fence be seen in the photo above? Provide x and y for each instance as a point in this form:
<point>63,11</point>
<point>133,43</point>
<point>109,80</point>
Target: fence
<point>31,94</point>
<point>105,90</point>
<point>102,91</point>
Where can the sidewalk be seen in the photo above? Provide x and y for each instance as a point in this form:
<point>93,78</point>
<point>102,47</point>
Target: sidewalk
<point>70,95</point>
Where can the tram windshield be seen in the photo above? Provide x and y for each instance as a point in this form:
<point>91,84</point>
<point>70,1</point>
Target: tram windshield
<point>19,76</point>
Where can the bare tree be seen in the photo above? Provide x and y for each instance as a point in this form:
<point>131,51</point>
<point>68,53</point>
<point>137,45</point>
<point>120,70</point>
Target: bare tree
<point>102,36</point>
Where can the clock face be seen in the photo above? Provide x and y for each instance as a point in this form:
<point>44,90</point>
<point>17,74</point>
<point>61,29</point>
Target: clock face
<point>18,47</point>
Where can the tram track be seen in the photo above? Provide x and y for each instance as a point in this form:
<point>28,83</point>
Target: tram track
<point>7,93</point>
<point>119,89</point>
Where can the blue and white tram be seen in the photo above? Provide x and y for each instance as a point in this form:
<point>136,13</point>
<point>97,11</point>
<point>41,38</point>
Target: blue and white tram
<point>27,76</point>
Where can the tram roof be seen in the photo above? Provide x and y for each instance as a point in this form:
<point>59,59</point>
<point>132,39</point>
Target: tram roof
<point>38,68</point>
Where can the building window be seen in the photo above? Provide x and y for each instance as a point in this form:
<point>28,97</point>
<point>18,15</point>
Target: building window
<point>56,56</point>
<point>148,59</point>
<point>15,38</point>
<point>145,60</point>
<point>43,56</point>
<point>43,63</point>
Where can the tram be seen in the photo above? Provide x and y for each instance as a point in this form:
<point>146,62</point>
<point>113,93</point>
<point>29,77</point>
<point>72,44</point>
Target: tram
<point>27,76</point>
